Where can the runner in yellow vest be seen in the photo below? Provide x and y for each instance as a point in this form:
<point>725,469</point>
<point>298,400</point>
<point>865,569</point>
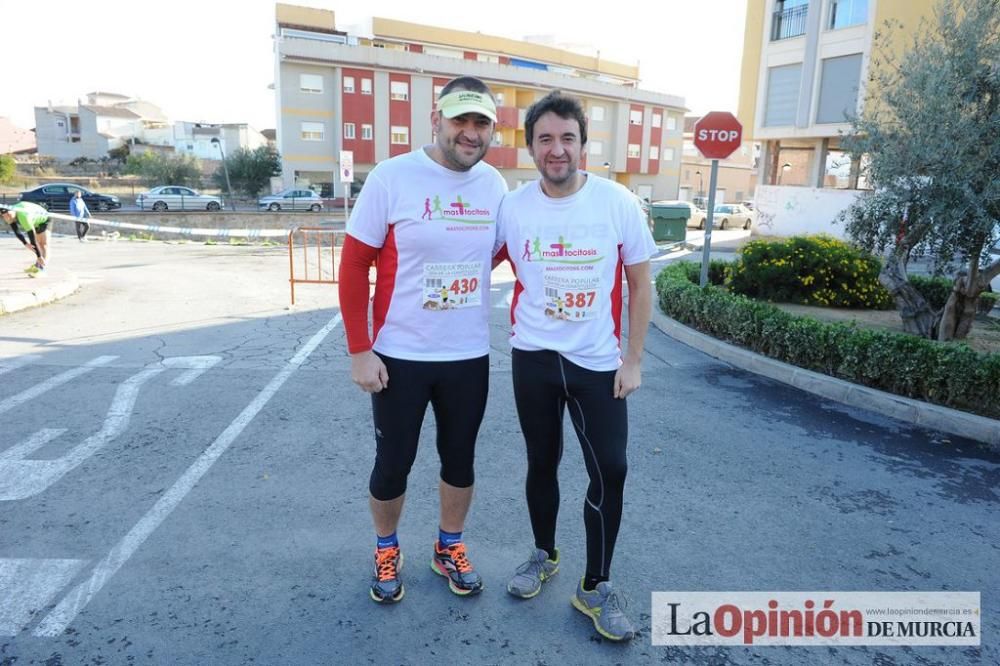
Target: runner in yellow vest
<point>30,223</point>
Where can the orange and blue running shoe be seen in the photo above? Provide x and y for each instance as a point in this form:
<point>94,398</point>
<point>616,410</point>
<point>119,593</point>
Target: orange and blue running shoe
<point>386,584</point>
<point>453,564</point>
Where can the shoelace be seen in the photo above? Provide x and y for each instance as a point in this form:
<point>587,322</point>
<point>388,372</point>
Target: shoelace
<point>385,563</point>
<point>532,566</point>
<point>458,556</point>
<point>616,602</point>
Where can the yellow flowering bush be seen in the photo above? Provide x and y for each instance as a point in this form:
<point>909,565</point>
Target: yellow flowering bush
<point>810,270</point>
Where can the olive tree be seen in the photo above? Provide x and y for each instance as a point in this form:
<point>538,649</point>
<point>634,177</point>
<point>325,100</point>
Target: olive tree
<point>250,170</point>
<point>929,140</point>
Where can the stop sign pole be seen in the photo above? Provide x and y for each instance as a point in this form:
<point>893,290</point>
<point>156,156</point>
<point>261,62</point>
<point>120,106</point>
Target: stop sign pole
<point>717,135</point>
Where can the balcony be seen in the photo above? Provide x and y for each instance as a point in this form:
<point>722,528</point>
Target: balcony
<point>789,23</point>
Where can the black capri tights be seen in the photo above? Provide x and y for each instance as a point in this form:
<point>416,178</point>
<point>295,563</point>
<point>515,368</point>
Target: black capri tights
<point>456,391</point>
<point>545,385</point>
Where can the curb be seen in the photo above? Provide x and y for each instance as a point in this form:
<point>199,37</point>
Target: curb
<point>22,300</point>
<point>911,411</point>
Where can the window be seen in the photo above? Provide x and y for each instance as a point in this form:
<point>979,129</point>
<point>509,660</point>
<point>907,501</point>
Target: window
<point>366,86</point>
<point>782,95</point>
<point>633,150</point>
<point>483,57</point>
<point>348,84</point>
<point>399,90</point>
<point>312,131</point>
<point>595,147</point>
<point>789,19</point>
<point>654,153</point>
<point>657,120</point>
<point>838,90</point>
<point>845,13</point>
<point>635,117</point>
<point>497,139</point>
<point>671,122</point>
<point>668,154</point>
<point>597,113</point>
<point>366,132</point>
<point>437,92</point>
<point>400,136</point>
<point>348,130</point>
<point>311,83</point>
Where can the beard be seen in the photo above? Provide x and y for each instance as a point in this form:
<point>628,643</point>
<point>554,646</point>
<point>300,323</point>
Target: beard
<point>459,156</point>
<point>560,175</point>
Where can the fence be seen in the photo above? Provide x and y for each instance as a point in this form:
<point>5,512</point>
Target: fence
<point>318,269</point>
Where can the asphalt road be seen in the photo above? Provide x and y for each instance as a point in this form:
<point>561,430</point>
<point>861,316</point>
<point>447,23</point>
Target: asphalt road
<point>183,478</point>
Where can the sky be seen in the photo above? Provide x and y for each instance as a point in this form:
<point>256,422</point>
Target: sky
<point>211,61</point>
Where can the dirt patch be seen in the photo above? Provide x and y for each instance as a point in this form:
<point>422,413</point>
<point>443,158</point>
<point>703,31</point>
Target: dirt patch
<point>985,336</point>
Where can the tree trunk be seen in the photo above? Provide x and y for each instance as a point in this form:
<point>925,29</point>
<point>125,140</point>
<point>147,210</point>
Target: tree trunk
<point>918,317</point>
<point>960,312</point>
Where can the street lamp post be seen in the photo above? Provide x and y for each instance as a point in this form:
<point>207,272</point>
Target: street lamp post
<point>701,184</point>
<point>607,165</point>
<point>785,168</point>
<point>225,169</point>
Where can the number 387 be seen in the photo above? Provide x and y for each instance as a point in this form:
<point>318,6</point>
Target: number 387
<point>579,299</point>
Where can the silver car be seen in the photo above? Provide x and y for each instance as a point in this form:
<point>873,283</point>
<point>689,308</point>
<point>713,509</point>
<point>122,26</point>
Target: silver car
<point>294,199</point>
<point>175,197</point>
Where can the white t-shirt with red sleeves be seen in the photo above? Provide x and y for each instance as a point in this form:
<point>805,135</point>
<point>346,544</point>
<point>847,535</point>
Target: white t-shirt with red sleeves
<point>568,254</point>
<point>435,229</point>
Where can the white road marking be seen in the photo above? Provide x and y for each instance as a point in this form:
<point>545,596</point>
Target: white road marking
<point>21,478</point>
<point>197,364</point>
<point>30,445</point>
<point>27,585</point>
<point>56,622</point>
<point>8,364</point>
<point>51,383</point>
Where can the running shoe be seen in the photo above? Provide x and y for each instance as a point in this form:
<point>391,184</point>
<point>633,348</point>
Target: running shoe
<point>386,584</point>
<point>33,268</point>
<point>453,564</point>
<point>527,580</point>
<point>606,609</point>
<point>40,273</point>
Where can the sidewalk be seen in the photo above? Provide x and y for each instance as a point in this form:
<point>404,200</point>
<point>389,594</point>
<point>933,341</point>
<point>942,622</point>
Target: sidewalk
<point>18,291</point>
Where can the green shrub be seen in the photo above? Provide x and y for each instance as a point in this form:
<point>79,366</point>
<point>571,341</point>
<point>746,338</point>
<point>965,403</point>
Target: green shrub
<point>949,374</point>
<point>810,270</point>
<point>987,301</point>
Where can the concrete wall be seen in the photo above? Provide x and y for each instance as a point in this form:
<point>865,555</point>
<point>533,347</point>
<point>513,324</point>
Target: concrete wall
<point>791,211</point>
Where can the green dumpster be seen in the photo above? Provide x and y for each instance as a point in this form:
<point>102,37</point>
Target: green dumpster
<point>668,221</point>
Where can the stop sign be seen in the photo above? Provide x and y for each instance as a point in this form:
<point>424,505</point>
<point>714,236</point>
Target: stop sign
<point>717,135</point>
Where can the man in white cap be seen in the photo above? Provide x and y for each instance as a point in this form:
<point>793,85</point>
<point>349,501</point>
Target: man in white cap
<point>430,334</point>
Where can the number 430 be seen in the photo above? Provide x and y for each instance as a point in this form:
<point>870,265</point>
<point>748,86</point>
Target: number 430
<point>464,286</point>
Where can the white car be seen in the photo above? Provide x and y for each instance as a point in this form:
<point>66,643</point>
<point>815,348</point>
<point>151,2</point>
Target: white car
<point>733,215</point>
<point>294,199</point>
<point>175,197</point>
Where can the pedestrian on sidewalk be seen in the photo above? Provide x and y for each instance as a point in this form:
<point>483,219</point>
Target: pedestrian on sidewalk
<point>30,223</point>
<point>78,208</point>
<point>567,351</point>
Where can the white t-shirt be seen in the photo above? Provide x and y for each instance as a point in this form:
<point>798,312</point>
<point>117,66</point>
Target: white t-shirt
<point>436,230</point>
<point>568,254</point>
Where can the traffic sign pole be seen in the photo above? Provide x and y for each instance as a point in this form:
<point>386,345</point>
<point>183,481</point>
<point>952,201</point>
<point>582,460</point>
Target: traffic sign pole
<point>716,135</point>
<point>706,251</point>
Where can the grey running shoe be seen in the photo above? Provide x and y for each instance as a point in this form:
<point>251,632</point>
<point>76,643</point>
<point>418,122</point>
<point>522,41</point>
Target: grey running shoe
<point>527,580</point>
<point>386,585</point>
<point>605,608</point>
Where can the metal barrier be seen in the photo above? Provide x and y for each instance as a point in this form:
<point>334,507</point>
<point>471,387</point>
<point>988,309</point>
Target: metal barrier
<point>324,269</point>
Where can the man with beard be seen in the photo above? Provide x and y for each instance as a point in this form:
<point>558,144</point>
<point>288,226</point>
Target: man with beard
<point>566,343</point>
<point>430,334</point>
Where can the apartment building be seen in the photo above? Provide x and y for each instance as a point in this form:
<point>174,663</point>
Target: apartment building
<point>109,120</point>
<point>804,74</point>
<point>373,94</point>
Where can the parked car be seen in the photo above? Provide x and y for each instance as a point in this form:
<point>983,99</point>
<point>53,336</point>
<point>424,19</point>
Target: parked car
<point>175,197</point>
<point>294,199</point>
<point>733,215</point>
<point>56,196</point>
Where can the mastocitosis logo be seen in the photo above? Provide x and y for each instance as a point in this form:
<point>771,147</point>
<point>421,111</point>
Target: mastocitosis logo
<point>560,251</point>
<point>816,618</point>
<point>458,210</point>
